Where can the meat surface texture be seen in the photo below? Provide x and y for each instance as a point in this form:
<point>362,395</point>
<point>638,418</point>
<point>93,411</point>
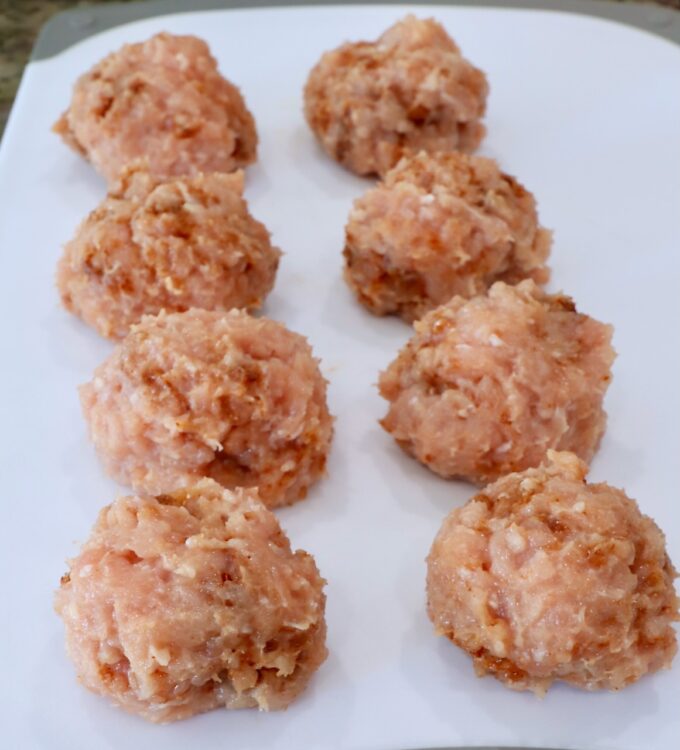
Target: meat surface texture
<point>486,386</point>
<point>201,393</point>
<point>440,225</point>
<point>191,601</point>
<point>369,103</point>
<point>544,577</point>
<point>163,100</point>
<point>166,244</point>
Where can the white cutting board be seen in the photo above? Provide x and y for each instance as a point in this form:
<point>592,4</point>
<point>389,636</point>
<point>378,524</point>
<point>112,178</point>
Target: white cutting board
<point>587,114</point>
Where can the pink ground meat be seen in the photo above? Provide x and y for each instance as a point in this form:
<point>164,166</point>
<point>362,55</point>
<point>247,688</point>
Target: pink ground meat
<point>201,393</point>
<point>486,386</point>
<point>369,103</point>
<point>163,100</point>
<point>166,244</point>
<point>182,603</point>
<point>543,577</point>
<point>439,225</point>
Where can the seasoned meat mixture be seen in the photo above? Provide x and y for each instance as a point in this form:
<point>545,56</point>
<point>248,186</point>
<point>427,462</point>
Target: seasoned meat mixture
<point>544,577</point>
<point>200,393</point>
<point>186,602</point>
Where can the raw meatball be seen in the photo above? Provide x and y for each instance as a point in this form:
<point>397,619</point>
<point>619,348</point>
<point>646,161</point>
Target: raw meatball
<point>439,225</point>
<point>166,244</point>
<point>163,100</point>
<point>486,386</point>
<point>368,103</point>
<point>543,577</point>
<point>203,393</point>
<point>182,603</point>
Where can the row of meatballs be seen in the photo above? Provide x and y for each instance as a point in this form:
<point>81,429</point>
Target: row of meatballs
<point>166,129</point>
<point>188,596</point>
<point>540,576</point>
<point>437,226</point>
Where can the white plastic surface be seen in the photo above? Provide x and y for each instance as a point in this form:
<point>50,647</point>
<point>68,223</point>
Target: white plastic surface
<point>587,114</point>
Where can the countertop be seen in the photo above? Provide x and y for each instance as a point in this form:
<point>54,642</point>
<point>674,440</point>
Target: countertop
<point>21,20</point>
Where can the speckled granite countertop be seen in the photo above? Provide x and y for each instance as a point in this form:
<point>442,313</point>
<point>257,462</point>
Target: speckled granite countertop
<point>21,20</point>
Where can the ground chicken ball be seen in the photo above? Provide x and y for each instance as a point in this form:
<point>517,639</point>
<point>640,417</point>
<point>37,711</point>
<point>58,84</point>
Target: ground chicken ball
<point>486,386</point>
<point>201,393</point>
<point>163,100</point>
<point>182,603</point>
<point>438,225</point>
<point>368,103</point>
<point>170,244</point>
<point>543,577</point>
